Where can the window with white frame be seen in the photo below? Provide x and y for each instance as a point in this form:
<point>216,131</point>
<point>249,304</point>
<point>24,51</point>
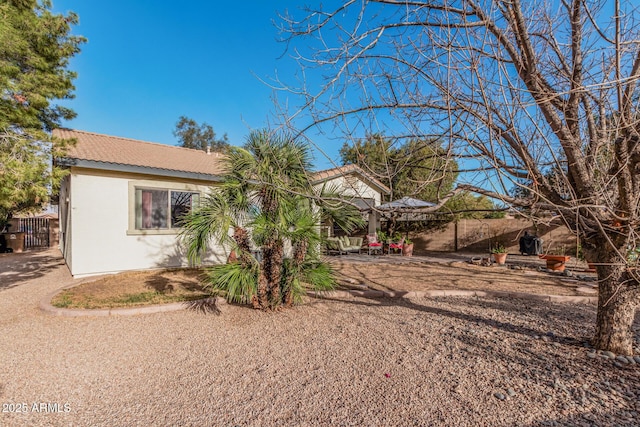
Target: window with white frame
<point>162,208</point>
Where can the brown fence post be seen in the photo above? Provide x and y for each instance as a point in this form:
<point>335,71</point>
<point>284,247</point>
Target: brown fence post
<point>455,236</point>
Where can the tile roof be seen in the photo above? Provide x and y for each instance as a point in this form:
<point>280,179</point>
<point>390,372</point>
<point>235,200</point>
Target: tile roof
<point>115,150</point>
<point>350,169</point>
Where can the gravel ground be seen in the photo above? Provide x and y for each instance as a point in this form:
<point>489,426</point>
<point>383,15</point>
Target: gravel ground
<point>356,361</point>
<point>445,273</point>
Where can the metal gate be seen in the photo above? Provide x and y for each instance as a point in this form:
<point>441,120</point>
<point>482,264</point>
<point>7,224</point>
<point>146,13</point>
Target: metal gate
<point>36,232</point>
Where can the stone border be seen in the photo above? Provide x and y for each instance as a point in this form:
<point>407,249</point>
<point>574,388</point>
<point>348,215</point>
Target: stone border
<point>45,303</point>
<point>452,293</point>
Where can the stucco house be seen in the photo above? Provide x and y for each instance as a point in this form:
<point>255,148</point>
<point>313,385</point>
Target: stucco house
<point>119,203</point>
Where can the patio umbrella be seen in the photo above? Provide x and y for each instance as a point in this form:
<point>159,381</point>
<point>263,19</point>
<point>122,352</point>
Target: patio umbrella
<point>404,204</point>
<point>405,209</point>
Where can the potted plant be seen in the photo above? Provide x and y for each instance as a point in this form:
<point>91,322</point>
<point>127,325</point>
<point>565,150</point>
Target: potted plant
<point>556,262</point>
<point>499,254</point>
<point>407,247</point>
<point>384,239</point>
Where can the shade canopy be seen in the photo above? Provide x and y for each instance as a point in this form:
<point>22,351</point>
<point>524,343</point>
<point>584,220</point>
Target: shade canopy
<point>406,203</point>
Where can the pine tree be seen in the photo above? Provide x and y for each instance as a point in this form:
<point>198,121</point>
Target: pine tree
<point>35,48</point>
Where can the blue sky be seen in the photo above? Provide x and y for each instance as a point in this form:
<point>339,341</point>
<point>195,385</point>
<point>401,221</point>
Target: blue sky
<point>148,62</point>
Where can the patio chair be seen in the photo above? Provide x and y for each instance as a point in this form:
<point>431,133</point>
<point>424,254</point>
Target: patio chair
<point>373,245</point>
<point>343,244</point>
<point>332,246</point>
<point>396,245</point>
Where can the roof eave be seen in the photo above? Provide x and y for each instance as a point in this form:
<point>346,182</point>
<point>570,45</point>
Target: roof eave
<point>119,167</point>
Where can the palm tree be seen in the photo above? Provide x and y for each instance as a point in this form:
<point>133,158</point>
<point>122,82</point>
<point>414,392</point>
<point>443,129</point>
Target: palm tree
<point>267,199</point>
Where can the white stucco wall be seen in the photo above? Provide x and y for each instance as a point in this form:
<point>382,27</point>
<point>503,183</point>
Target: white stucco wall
<point>102,240</point>
<point>351,185</point>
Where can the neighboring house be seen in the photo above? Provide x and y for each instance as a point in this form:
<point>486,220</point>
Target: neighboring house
<point>121,199</point>
<point>366,191</point>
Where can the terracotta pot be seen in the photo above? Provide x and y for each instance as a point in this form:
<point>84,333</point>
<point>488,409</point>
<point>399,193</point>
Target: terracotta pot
<point>407,250</point>
<point>500,258</point>
<point>555,262</point>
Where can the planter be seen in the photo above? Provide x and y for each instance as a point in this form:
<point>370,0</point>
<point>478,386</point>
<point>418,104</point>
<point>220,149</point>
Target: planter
<point>500,258</point>
<point>555,262</point>
<point>407,250</point>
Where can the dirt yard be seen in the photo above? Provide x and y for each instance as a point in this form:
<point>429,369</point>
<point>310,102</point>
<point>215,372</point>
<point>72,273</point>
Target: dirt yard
<point>360,272</point>
<point>136,288</point>
<point>521,275</point>
<point>414,361</point>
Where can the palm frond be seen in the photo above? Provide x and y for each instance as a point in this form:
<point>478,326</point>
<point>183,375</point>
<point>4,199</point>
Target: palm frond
<point>211,220</point>
<point>237,282</point>
<point>319,275</point>
<point>335,207</point>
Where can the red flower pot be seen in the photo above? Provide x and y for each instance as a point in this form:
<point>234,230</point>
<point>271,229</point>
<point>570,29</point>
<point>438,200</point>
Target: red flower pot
<point>555,262</point>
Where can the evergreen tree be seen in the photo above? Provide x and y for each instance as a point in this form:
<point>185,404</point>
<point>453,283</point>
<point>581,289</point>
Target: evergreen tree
<point>35,48</point>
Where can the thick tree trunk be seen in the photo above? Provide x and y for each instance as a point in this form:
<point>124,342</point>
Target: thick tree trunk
<point>299,254</point>
<point>618,297</point>
<point>275,273</point>
<point>270,274</point>
<point>241,237</point>
<point>263,276</point>
<point>261,301</point>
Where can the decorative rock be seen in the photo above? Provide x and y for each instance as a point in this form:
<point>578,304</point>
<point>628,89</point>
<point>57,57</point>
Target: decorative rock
<point>592,355</point>
<point>499,396</point>
<point>568,273</point>
<point>622,359</point>
<point>636,358</point>
<point>609,354</point>
<point>511,392</point>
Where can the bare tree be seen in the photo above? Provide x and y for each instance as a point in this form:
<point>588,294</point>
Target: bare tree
<point>539,94</point>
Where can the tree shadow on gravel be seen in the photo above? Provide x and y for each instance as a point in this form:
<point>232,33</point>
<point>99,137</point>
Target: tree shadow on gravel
<point>548,358</point>
<point>17,268</point>
<point>466,317</point>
